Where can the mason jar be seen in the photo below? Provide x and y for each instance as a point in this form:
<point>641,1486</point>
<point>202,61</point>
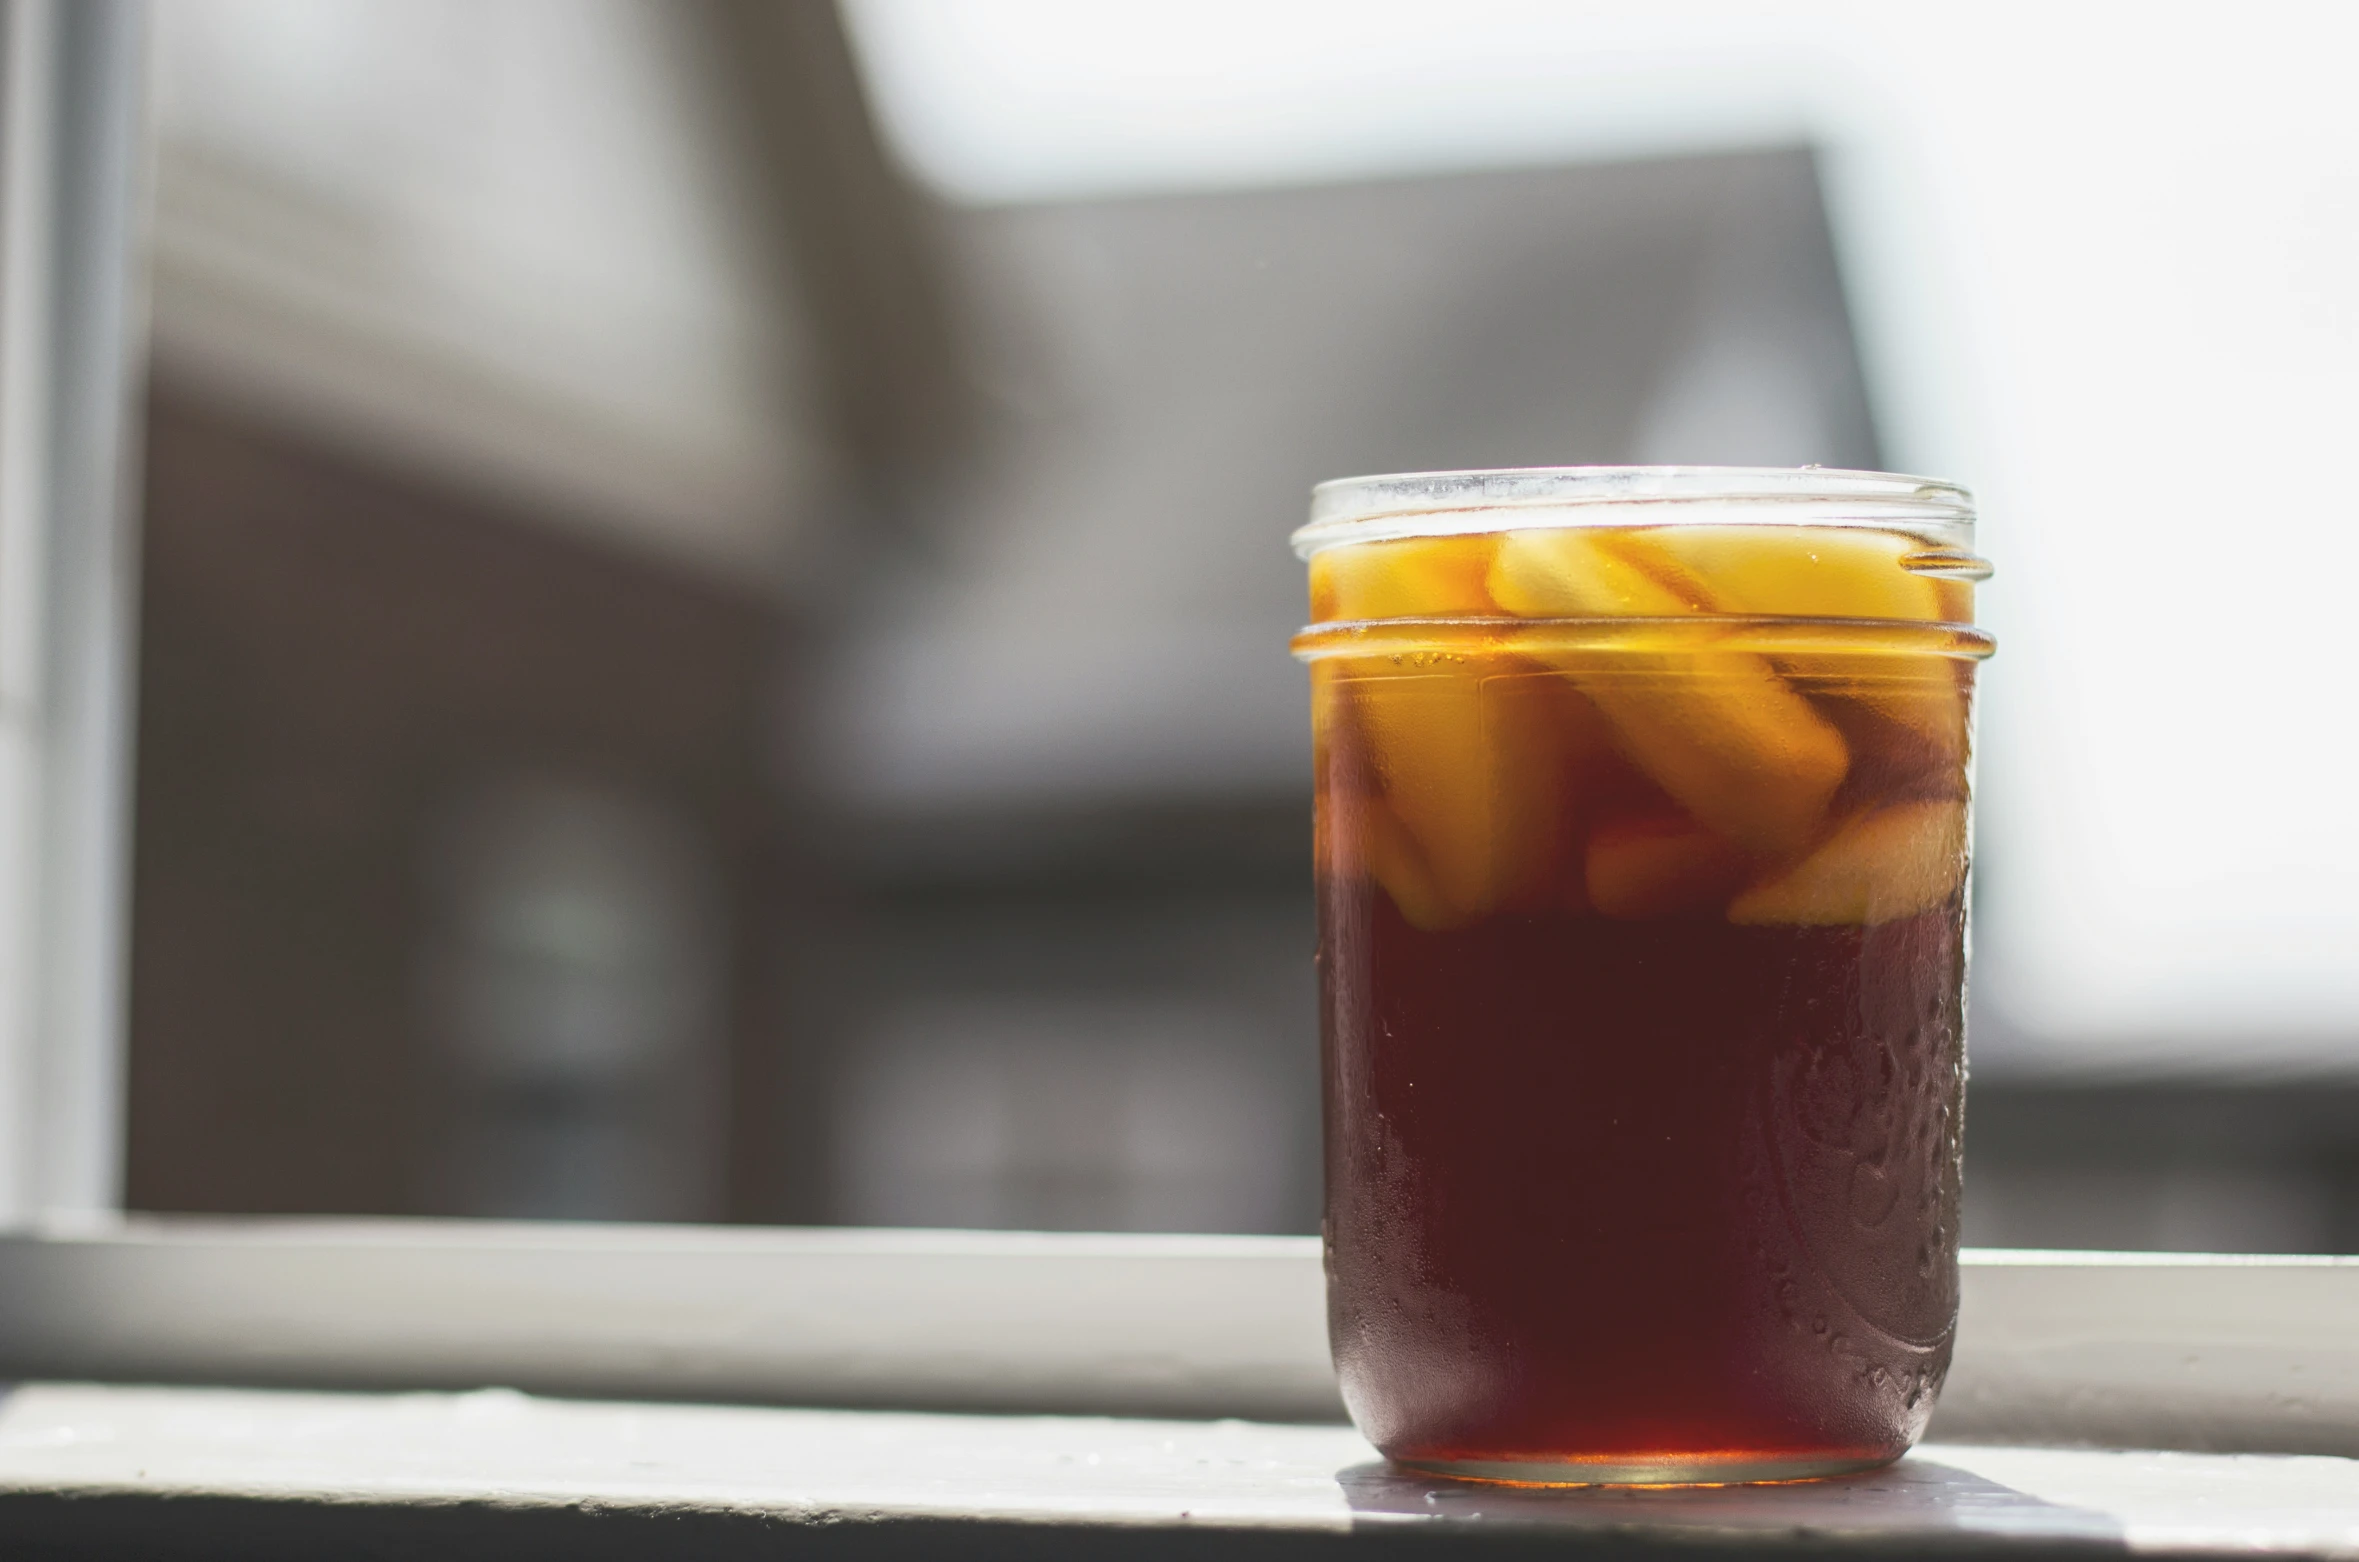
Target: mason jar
<point>1643,828</point>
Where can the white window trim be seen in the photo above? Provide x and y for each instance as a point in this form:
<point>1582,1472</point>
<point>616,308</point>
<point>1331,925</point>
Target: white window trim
<point>71,337</point>
<point>2137,1350</point>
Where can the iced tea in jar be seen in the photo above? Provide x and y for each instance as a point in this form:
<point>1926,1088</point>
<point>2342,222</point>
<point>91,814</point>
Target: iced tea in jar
<point>1642,844</point>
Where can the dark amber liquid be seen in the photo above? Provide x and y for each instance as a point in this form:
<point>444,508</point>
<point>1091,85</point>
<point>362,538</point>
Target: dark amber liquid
<point>1643,931</point>
<point>1669,1195</point>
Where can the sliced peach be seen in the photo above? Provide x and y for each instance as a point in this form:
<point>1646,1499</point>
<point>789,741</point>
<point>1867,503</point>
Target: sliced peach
<point>1582,572</point>
<point>1539,733</point>
<point>1425,737</point>
<point>1799,572</point>
<point>1659,866</point>
<point>1471,767</point>
<point>1879,865</point>
<point>1823,572</point>
<point>1410,577</point>
<point>1720,731</point>
<point>1355,833</point>
<point>1732,743</point>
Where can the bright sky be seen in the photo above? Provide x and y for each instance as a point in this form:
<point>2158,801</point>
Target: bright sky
<point>2105,266</point>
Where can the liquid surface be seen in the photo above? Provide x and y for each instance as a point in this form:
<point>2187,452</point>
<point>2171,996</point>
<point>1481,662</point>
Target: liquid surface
<point>1642,967</point>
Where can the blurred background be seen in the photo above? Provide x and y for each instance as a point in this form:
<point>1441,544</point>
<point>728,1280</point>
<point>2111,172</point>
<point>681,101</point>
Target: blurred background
<point>715,590</point>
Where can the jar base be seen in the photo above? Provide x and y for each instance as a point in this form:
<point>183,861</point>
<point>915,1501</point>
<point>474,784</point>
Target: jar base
<point>1670,1469</point>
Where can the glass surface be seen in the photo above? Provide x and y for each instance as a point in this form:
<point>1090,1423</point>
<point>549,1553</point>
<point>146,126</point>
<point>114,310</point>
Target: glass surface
<point>1362,509</point>
<point>1642,848</point>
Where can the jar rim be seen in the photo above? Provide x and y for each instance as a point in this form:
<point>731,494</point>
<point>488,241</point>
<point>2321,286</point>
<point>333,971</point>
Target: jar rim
<point>1415,504</point>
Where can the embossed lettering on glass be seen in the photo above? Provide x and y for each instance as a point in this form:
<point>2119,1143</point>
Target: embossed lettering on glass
<point>1642,842</point>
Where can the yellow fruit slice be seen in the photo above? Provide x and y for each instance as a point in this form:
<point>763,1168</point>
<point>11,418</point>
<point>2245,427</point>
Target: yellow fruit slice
<point>1878,866</point>
<point>1824,572</point>
<point>1655,867</point>
<point>1583,572</point>
<point>1720,731</point>
<point>1800,572</point>
<point>1355,833</point>
<point>1538,733</point>
<point>1425,737</point>
<point>1411,577</point>
<point>1471,764</point>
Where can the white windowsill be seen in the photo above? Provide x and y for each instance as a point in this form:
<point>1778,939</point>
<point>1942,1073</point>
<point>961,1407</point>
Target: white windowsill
<point>149,1468</point>
<point>1004,1380</point>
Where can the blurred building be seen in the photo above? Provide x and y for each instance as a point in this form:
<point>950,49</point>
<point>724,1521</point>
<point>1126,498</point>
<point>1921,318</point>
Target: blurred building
<point>688,675</point>
<point>445,816</point>
<point>1066,738</point>
<point>488,460</point>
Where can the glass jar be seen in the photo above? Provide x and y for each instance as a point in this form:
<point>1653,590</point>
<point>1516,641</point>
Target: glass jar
<point>1642,847</point>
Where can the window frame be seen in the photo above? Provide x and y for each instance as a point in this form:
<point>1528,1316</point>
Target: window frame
<point>72,179</point>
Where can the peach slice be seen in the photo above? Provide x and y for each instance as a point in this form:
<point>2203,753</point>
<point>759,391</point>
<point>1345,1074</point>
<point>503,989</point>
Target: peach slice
<point>1800,572</point>
<point>1583,572</point>
<point>1720,731</point>
<point>1659,866</point>
<point>1471,765</point>
<point>1541,735</point>
<point>1878,866</point>
<point>1824,572</point>
<point>1354,832</point>
<point>1409,577</point>
<point>1425,737</point>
